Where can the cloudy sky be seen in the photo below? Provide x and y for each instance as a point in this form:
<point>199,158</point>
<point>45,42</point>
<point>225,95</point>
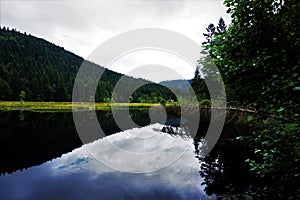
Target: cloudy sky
<point>81,26</point>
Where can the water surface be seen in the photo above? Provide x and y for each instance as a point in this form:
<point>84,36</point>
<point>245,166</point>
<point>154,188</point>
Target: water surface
<point>43,158</point>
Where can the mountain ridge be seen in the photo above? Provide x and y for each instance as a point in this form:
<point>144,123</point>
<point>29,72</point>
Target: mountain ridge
<point>46,72</point>
<point>179,84</point>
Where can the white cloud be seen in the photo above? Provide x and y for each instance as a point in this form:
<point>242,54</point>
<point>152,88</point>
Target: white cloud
<point>154,65</point>
<point>81,26</point>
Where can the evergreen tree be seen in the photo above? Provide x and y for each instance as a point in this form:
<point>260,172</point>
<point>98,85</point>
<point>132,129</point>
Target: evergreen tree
<point>221,28</point>
<point>199,86</point>
<point>211,31</point>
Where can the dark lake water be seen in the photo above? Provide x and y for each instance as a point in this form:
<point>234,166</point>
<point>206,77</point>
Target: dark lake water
<point>42,157</point>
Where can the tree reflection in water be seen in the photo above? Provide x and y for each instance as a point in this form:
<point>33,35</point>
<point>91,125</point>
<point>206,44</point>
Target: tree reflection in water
<point>32,138</point>
<point>224,171</point>
<point>29,139</point>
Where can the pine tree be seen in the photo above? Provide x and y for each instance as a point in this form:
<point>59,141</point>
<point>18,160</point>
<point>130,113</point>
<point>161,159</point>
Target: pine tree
<point>211,31</point>
<point>221,28</point>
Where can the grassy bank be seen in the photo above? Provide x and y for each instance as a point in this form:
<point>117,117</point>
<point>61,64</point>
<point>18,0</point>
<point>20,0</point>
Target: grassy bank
<point>67,106</point>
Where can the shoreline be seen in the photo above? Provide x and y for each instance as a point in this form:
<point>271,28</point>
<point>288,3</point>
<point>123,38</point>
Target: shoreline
<point>68,106</point>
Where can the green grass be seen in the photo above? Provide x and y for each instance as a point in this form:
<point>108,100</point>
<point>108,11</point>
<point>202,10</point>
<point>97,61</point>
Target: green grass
<point>68,106</point>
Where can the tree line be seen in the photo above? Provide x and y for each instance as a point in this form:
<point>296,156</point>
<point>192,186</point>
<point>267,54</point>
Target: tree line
<point>33,69</point>
<point>258,58</point>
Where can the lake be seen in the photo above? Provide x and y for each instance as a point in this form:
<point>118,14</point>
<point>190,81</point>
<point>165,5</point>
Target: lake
<point>44,158</point>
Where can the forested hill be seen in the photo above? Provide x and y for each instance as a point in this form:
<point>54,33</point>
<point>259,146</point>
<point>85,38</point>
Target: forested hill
<point>182,85</point>
<point>46,72</point>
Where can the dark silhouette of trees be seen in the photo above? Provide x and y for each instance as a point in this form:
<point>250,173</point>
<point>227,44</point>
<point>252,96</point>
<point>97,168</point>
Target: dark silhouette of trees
<point>199,86</point>
<point>221,28</point>
<point>258,58</point>
<point>46,72</point>
<point>211,30</point>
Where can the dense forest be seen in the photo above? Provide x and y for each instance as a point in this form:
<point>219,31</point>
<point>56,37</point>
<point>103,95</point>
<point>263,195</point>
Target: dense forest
<point>258,58</point>
<point>33,69</point>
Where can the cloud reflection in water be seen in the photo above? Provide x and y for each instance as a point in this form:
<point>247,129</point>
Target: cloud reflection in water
<point>80,175</point>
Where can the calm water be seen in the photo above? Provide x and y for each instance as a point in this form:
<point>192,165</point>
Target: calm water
<point>43,158</point>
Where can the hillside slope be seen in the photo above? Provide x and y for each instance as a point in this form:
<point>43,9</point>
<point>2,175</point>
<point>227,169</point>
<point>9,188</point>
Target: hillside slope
<point>182,85</point>
<point>46,72</point>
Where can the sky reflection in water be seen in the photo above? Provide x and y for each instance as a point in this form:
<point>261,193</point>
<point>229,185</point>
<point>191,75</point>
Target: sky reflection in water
<point>135,164</point>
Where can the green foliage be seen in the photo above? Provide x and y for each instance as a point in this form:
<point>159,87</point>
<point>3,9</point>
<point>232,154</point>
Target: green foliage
<point>22,96</point>
<point>47,72</point>
<point>258,57</point>
<point>199,86</point>
<point>5,90</point>
<point>42,70</point>
<point>277,160</point>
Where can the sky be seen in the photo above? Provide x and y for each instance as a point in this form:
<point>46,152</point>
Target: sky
<point>81,26</point>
